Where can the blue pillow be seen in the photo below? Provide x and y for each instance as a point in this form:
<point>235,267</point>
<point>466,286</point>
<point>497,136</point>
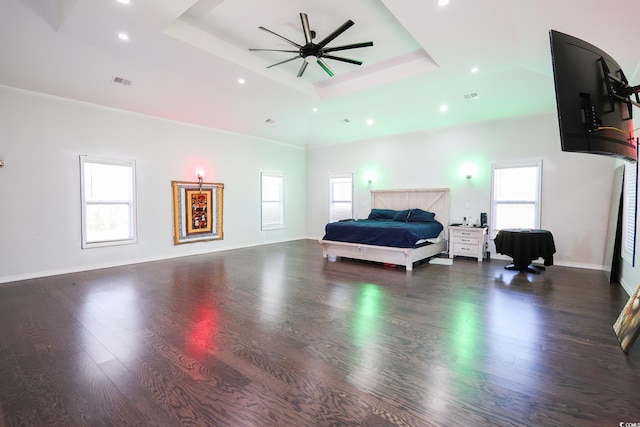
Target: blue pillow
<point>402,216</point>
<point>382,214</point>
<point>418,215</point>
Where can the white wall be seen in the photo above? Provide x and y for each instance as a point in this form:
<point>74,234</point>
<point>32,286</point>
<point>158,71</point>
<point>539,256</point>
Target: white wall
<point>41,139</point>
<point>576,188</point>
<point>43,136</point>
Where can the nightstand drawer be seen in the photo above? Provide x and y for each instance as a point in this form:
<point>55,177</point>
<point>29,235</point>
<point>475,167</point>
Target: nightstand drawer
<point>462,249</point>
<point>465,233</point>
<point>465,240</point>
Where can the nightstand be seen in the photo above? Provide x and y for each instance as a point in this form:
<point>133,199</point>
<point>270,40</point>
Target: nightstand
<point>467,241</point>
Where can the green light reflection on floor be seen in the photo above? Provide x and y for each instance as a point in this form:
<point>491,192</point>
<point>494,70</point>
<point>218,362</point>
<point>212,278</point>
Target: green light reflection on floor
<point>368,308</point>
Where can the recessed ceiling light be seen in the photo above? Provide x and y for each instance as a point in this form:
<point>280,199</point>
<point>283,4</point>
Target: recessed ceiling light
<point>444,108</point>
<point>475,69</point>
<point>123,36</point>
<point>443,2</point>
<point>124,1</point>
<point>241,81</point>
<point>315,109</point>
<point>369,122</point>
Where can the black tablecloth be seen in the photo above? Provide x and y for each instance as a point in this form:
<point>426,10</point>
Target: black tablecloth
<point>525,245</point>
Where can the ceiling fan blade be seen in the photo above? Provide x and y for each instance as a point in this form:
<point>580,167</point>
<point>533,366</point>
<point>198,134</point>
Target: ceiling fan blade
<point>337,58</point>
<point>348,46</point>
<point>285,61</point>
<point>273,50</point>
<point>335,34</point>
<point>325,67</point>
<point>305,28</point>
<point>280,37</point>
<point>302,68</point>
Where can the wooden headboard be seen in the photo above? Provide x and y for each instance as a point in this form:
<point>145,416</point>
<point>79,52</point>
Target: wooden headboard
<point>434,200</point>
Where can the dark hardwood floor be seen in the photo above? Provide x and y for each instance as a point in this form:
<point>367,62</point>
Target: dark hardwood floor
<point>277,336</point>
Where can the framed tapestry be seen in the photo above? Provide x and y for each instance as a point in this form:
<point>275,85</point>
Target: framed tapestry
<point>627,326</point>
<point>197,211</point>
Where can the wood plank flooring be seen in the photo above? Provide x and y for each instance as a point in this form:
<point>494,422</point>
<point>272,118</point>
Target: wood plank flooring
<point>277,336</point>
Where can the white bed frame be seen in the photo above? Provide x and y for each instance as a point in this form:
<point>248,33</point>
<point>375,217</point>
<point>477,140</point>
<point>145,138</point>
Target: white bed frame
<point>432,200</point>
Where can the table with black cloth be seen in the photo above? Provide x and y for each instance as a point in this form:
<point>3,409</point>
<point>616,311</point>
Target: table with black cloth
<point>525,245</point>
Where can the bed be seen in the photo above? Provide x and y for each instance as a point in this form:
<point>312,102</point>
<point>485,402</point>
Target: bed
<point>406,254</point>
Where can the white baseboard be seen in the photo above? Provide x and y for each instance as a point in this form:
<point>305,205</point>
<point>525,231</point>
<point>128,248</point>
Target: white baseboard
<point>627,287</point>
<point>557,262</point>
<point>76,269</point>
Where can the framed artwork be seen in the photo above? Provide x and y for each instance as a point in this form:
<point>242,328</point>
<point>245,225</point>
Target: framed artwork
<point>197,211</point>
<point>627,327</point>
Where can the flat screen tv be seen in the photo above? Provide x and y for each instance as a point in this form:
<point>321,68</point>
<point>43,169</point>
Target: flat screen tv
<point>595,102</point>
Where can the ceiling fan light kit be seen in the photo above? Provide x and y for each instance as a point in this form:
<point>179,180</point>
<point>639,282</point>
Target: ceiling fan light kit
<point>312,52</point>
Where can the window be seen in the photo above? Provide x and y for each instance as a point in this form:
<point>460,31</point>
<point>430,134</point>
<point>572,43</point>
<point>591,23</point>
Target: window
<point>629,212</point>
<point>272,201</point>
<point>515,196</point>
<point>108,202</point>
<point>340,197</point>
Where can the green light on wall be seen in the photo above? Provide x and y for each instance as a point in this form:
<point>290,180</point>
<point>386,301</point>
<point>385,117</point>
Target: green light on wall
<point>469,171</point>
<point>370,176</point>
<point>369,306</point>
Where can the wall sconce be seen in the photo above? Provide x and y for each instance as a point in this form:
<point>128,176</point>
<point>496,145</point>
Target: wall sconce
<point>370,176</point>
<point>469,170</point>
<point>200,174</point>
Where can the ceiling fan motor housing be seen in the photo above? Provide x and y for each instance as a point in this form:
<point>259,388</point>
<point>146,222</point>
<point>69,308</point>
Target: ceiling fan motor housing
<point>310,50</point>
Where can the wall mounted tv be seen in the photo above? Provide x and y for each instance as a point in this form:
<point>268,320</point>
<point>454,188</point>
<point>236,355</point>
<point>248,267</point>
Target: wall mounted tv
<point>594,99</point>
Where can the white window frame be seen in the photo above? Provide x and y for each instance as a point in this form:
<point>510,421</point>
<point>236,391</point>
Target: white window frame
<point>130,201</point>
<point>267,197</point>
<point>495,203</point>
<point>333,203</point>
<point>629,212</point>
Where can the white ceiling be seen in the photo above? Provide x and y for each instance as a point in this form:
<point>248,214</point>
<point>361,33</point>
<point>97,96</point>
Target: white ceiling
<point>184,58</point>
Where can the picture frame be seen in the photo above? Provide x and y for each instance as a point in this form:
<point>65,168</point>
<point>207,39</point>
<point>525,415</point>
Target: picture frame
<point>627,326</point>
<point>197,211</point>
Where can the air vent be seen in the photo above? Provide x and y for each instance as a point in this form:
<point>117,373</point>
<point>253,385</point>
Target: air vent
<point>472,95</point>
<point>121,80</point>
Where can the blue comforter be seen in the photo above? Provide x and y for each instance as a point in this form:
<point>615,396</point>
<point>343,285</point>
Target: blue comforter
<point>382,233</point>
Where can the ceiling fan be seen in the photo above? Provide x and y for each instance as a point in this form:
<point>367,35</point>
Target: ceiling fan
<point>315,52</point>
